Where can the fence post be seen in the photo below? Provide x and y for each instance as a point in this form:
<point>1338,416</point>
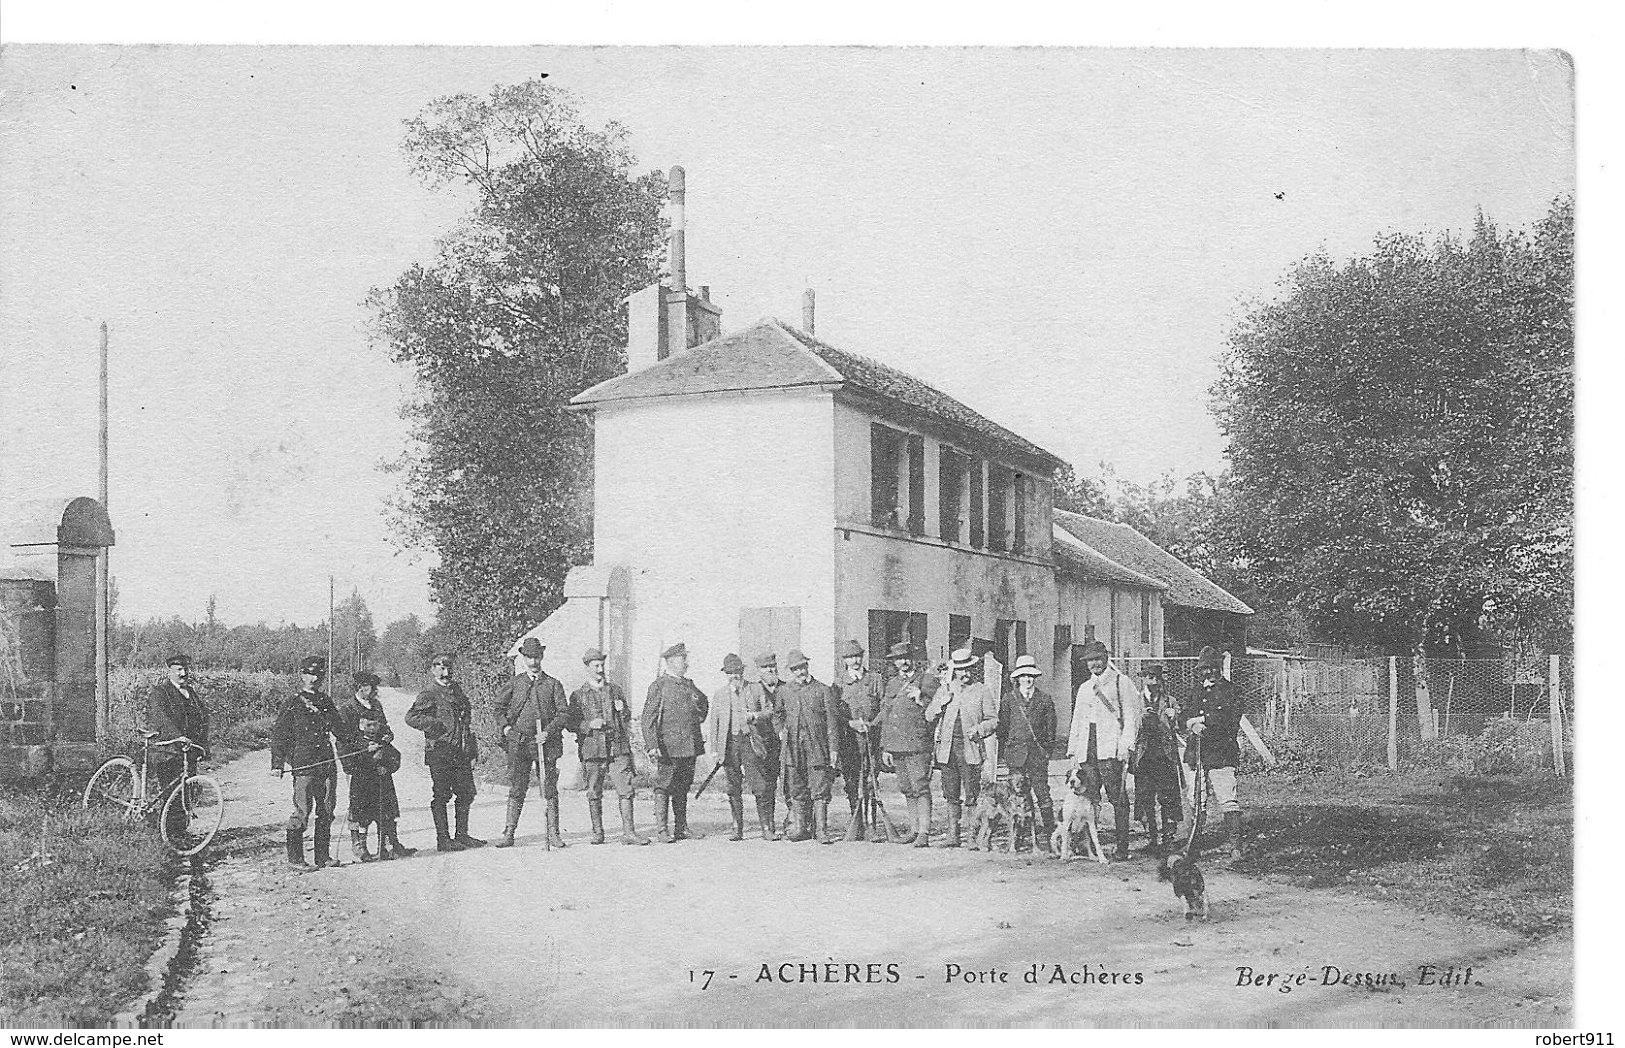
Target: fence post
<point>1424,699</point>
<point>1555,689</point>
<point>1393,713</point>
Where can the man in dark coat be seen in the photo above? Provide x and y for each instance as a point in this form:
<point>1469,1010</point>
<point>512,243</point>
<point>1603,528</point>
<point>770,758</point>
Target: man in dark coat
<point>1026,735</point>
<point>602,723</point>
<point>858,698</point>
<point>372,771</point>
<point>907,737</point>
<point>1213,715</point>
<point>810,728</point>
<point>178,715</point>
<point>441,712</point>
<point>1155,765</point>
<point>674,732</point>
<point>310,739</point>
<point>533,713</point>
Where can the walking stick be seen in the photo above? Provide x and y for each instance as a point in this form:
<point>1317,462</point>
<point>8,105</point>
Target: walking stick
<point>784,782</point>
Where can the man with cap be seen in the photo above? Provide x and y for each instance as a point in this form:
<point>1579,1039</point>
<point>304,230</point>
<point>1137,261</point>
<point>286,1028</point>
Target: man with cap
<point>739,732</point>
<point>1026,735</point>
<point>442,713</point>
<point>905,737</point>
<point>811,727</point>
<point>674,732</point>
<point>761,697</point>
<point>372,770</point>
<point>303,739</point>
<point>1155,765</point>
<point>177,714</point>
<point>602,723</point>
<point>965,712</point>
<point>857,699</point>
<point>531,709</point>
<point>1105,720</point>
<point>1213,716</point>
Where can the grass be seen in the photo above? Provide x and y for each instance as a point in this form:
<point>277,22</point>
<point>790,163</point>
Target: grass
<point>83,907</point>
<point>1495,848</point>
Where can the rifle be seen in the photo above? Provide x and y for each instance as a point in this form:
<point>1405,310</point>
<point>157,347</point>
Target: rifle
<point>714,769</point>
<point>873,808</point>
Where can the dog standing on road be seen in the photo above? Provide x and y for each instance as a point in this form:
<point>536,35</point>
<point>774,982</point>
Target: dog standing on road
<point>1188,883</point>
<point>998,806</point>
<point>1080,816</point>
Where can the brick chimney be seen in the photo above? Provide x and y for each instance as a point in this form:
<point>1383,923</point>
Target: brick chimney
<point>666,318</point>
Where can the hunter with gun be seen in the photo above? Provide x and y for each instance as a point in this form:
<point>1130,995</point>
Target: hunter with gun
<point>859,696</point>
<point>674,732</point>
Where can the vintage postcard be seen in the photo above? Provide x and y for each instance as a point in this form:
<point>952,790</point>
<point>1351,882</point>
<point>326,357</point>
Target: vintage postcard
<point>786,537</point>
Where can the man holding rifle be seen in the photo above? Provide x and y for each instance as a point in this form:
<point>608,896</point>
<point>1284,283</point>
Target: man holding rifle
<point>300,740</point>
<point>673,730</point>
<point>442,713</point>
<point>905,737</point>
<point>859,698</point>
<point>603,728</point>
<point>747,748</point>
<point>531,709</point>
<point>1105,723</point>
<point>812,727</point>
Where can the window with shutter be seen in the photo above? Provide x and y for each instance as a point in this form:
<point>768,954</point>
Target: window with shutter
<point>916,485</point>
<point>977,523</point>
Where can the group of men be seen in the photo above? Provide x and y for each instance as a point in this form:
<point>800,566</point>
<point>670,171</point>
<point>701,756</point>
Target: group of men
<point>791,735</point>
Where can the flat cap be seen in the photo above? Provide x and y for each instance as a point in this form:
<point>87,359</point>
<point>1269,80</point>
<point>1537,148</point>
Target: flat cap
<point>675,650</point>
<point>851,650</point>
<point>733,664</point>
<point>1096,650</point>
<point>767,660</point>
<point>444,658</point>
<point>532,648</point>
<point>314,664</point>
<point>178,660</point>
<point>795,658</point>
<point>592,655</point>
<point>365,679</point>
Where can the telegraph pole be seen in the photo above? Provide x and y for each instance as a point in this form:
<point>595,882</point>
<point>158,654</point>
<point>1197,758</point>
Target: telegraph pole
<point>330,667</point>
<point>104,608</point>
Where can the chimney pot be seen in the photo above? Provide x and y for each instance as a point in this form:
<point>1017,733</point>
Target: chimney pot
<point>807,302</point>
<point>705,292</point>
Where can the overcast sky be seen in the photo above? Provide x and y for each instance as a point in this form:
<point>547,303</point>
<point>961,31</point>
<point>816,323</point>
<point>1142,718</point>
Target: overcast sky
<point>1048,235</point>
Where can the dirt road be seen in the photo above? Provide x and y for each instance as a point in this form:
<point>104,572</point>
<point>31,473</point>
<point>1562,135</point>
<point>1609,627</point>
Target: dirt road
<point>805,935</point>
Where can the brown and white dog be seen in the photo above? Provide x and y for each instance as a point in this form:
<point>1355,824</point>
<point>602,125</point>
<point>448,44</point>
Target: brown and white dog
<point>1080,816</point>
<point>1189,885</point>
<point>997,806</point>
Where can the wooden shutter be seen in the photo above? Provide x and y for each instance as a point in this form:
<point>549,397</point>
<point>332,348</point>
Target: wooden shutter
<point>916,485</point>
<point>917,633</point>
<point>1018,542</point>
<point>977,516</point>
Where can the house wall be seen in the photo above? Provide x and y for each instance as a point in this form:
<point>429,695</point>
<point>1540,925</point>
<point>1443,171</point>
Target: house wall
<point>712,505</point>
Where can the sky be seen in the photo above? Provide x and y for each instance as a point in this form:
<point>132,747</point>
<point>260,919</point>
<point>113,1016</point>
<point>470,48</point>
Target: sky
<point>1061,238</point>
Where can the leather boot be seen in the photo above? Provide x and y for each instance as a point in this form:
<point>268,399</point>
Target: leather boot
<point>595,814</point>
<point>765,816</point>
<point>323,846</point>
<point>443,840</point>
<point>296,851</point>
<point>553,838</point>
<point>922,829</point>
<point>1232,834</point>
<point>662,827</point>
<point>953,826</point>
<point>1121,816</point>
<point>358,845</point>
<point>821,822</point>
<point>463,836</point>
<point>801,831</point>
<point>387,833</point>
<point>511,823</point>
<point>736,805</point>
<point>1047,830</point>
<point>679,814</point>
<point>629,833</point>
<point>913,829</point>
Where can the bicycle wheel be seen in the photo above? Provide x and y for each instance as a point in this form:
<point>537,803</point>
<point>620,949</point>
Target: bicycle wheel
<point>113,788</point>
<point>192,815</point>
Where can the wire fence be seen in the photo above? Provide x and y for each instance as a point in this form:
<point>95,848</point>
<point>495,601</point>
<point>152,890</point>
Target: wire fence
<point>1478,714</point>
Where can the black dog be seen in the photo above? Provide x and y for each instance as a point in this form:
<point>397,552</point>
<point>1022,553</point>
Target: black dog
<point>1188,883</point>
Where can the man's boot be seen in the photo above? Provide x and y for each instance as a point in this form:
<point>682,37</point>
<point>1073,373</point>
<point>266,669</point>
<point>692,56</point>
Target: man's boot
<point>322,846</point>
<point>390,846</point>
<point>913,829</point>
<point>296,851</point>
<point>1121,815</point>
<point>358,844</point>
<point>799,821</point>
<point>1232,834</point>
<point>821,822</point>
<point>443,840</point>
<point>516,805</point>
<point>553,838</point>
<point>662,808</point>
<point>765,816</point>
<point>679,812</point>
<point>953,825</point>
<point>595,813</point>
<point>922,829</point>
<point>1047,830</point>
<point>629,833</point>
<point>736,805</point>
<point>463,836</point>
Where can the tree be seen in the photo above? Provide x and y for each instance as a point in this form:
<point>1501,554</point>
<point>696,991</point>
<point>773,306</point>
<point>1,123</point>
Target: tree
<point>1401,439</point>
<point>519,311</point>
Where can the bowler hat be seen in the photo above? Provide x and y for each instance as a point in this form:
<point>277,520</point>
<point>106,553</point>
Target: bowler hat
<point>901,650</point>
<point>314,664</point>
<point>1095,650</point>
<point>962,659</point>
<point>795,658</point>
<point>675,650</point>
<point>365,679</point>
<point>178,660</point>
<point>851,650</point>
<point>767,660</point>
<point>1026,666</point>
<point>1209,658</point>
<point>592,655</point>
<point>733,664</point>
<point>532,648</point>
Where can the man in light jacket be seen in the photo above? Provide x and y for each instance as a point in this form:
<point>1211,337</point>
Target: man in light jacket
<point>968,712</point>
<point>1105,719</point>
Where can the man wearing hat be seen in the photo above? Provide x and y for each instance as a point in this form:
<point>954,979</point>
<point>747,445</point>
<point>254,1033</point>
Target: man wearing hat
<point>442,713</point>
<point>372,770</point>
<point>857,699</point>
<point>740,734</point>
<point>674,731</point>
<point>531,709</point>
<point>1105,719</point>
<point>602,723</point>
<point>1155,765</point>
<point>1026,736</point>
<point>905,737</point>
<point>175,712</point>
<point>1214,716</point>
<point>304,738</point>
<point>965,712</point>
<point>811,727</point>
<point>761,696</point>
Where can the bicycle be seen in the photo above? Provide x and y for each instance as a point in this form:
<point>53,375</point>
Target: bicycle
<point>120,786</point>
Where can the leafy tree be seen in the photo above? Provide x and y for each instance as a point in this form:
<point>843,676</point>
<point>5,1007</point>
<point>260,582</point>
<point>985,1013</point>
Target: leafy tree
<point>519,311</point>
<point>1401,439</point>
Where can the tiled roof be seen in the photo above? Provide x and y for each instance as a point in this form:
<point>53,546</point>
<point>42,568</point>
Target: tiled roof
<point>772,355</point>
<point>1125,546</point>
<point>1075,558</point>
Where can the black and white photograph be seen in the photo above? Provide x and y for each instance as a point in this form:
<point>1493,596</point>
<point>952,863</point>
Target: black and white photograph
<point>787,536</point>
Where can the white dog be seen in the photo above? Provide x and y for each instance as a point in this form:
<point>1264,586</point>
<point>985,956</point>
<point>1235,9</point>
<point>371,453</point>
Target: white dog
<point>1080,817</point>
